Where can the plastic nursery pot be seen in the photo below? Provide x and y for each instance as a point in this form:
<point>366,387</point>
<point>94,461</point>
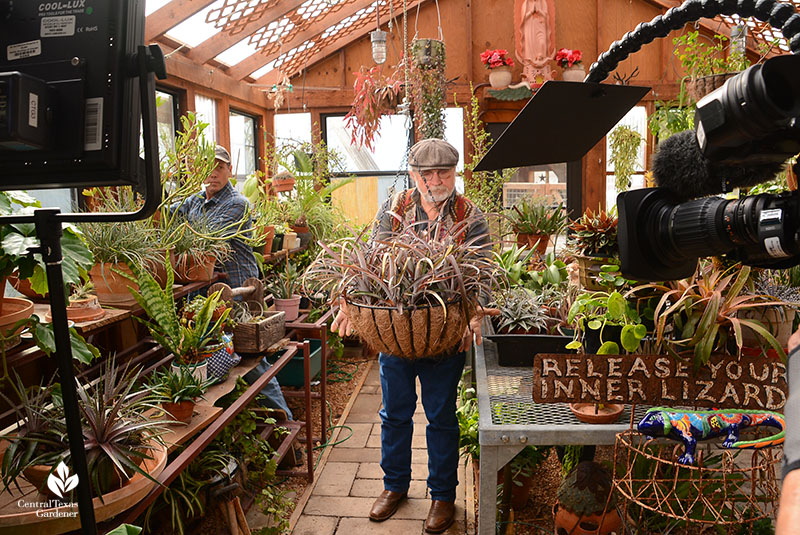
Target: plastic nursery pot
<point>290,307</point>
<point>181,411</point>
<point>592,413</point>
<point>592,337</point>
<point>277,242</point>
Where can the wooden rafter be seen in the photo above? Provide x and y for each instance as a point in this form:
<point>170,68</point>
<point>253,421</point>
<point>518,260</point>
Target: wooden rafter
<point>243,69</point>
<point>331,47</point>
<point>162,20</point>
<point>211,48</point>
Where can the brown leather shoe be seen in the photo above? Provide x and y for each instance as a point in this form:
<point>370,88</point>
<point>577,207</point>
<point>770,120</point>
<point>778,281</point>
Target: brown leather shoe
<point>440,516</point>
<point>386,505</point>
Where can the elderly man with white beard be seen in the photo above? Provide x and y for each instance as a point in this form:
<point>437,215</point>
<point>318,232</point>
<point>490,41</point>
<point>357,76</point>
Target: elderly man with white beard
<point>432,165</point>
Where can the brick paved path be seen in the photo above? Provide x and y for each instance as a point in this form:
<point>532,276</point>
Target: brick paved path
<point>352,478</point>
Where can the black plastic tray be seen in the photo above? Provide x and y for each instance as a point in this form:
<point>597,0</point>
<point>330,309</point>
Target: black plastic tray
<point>519,349</point>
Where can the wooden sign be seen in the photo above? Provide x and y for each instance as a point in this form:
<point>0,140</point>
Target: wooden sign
<point>725,382</point>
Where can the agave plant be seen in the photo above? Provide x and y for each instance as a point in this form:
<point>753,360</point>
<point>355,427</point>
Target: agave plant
<point>117,433</point>
<point>521,310</point>
<point>39,438</point>
<point>405,269</point>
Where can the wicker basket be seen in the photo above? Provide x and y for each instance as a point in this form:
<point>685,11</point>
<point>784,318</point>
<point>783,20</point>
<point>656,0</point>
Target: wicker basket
<point>257,337</point>
<point>414,333</point>
<point>702,86</point>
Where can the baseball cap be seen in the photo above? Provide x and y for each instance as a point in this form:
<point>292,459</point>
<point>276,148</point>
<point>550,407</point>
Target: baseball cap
<point>221,154</point>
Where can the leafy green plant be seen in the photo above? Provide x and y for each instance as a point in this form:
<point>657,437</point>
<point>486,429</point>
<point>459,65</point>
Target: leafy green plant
<point>595,233</point>
<point>285,284</point>
<point>467,415</point>
<point>16,239</point>
<point>484,188</point>
<point>173,387</point>
<point>82,291</point>
<point>514,262</point>
<point>625,143</point>
<point>187,339</point>
<point>596,310</point>
<point>702,58</point>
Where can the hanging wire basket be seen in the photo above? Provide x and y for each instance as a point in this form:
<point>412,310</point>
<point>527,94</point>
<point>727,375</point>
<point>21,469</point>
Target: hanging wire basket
<point>728,490</point>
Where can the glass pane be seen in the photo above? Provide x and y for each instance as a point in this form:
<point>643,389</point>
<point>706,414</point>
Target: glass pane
<point>243,146</point>
<point>548,180</point>
<point>292,127</point>
<point>206,110</point>
<point>165,117</point>
<point>637,181</point>
<point>390,145</point>
<point>636,119</point>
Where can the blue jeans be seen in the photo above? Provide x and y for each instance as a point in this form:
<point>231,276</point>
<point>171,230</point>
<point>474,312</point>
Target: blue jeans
<point>272,390</point>
<point>439,380</point>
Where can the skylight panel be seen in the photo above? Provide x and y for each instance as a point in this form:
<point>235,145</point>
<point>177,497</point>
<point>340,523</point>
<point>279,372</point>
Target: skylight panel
<point>195,29</point>
<point>237,52</point>
<point>151,6</point>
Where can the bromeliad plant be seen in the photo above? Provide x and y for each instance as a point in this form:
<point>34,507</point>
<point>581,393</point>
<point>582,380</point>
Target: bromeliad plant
<point>703,313</point>
<point>594,234</point>
<point>374,95</point>
<point>176,386</point>
<point>188,340</point>
<point>534,215</point>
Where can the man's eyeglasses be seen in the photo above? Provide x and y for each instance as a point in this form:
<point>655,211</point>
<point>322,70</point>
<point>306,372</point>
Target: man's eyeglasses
<point>430,173</point>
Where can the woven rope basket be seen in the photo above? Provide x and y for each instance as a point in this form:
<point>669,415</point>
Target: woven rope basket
<point>414,333</point>
<point>702,86</point>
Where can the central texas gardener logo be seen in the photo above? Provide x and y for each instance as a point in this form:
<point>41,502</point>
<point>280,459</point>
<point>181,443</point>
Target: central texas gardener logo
<point>60,482</point>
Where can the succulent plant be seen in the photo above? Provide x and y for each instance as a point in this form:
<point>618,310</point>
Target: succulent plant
<point>534,215</point>
<point>522,309</point>
<point>594,234</point>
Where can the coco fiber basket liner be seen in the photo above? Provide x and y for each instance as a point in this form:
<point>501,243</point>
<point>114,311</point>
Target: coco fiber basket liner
<point>420,332</point>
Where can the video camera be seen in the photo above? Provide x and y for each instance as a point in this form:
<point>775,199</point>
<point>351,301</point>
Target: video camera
<point>744,133</point>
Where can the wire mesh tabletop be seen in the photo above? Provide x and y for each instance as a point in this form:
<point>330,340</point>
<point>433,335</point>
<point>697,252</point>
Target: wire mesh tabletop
<point>505,402</point>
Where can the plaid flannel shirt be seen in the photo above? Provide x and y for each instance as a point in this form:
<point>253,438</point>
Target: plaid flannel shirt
<point>225,210</point>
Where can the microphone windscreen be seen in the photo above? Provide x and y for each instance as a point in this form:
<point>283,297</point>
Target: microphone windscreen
<point>680,166</point>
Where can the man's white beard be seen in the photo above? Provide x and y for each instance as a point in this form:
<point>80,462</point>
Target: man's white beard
<point>438,195</point>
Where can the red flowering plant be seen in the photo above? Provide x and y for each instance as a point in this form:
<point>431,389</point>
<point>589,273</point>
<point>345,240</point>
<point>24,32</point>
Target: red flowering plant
<point>496,58</point>
<point>568,58</point>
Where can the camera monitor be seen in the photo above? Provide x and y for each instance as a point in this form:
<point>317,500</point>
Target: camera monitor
<point>69,104</point>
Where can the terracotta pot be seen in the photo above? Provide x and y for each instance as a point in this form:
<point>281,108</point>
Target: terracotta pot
<point>775,320</point>
<point>300,229</point>
<point>268,232</point>
<point>540,242</point>
<point>282,184</point>
<point>523,239</point>
<point>14,309</point>
<point>290,307</point>
<point>588,412</point>
<point>112,288</point>
<point>80,310</point>
<point>520,488</point>
<point>36,475</point>
<point>194,268</point>
<point>23,286</point>
<point>576,73</point>
<point>500,77</point>
<point>158,268</point>
<point>604,524</point>
<point>181,411</point>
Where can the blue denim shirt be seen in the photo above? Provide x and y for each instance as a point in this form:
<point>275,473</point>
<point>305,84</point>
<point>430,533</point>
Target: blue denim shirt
<point>225,210</point>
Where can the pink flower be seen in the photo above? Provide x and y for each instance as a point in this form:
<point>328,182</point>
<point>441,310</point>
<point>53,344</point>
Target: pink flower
<point>496,58</point>
<point>567,58</point>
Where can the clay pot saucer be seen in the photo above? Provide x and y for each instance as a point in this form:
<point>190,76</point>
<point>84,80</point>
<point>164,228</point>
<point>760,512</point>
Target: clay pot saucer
<point>13,310</point>
<point>588,412</point>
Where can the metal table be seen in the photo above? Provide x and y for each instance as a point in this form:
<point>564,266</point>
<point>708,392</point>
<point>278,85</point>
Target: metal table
<point>509,420</point>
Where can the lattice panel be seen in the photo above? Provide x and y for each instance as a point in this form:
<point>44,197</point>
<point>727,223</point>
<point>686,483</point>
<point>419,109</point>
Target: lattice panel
<point>762,33</point>
<point>234,15</point>
<point>269,38</point>
<point>357,21</point>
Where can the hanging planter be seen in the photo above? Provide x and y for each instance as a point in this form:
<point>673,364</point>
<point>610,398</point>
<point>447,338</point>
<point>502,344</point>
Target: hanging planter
<point>428,84</point>
<point>418,332</point>
<point>427,53</point>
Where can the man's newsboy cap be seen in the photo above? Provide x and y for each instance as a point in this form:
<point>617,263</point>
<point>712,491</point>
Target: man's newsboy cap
<point>221,154</point>
<point>432,154</point>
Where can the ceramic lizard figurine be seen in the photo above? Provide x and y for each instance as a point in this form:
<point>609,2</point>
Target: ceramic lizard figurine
<point>691,426</point>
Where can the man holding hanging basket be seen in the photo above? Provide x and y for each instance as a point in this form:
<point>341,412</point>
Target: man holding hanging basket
<point>429,250</point>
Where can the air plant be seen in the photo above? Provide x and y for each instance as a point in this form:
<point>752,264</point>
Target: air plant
<point>406,269</point>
